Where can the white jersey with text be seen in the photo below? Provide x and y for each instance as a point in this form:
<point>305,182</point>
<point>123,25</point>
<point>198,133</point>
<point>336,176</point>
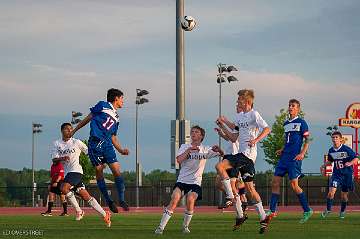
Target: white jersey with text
<point>193,167</point>
<point>249,124</point>
<point>72,148</point>
<point>232,148</point>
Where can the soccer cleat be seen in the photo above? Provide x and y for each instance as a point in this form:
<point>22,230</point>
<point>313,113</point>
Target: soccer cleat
<point>228,202</point>
<point>239,222</point>
<point>271,214</point>
<point>79,215</point>
<point>46,214</point>
<point>64,214</point>
<point>325,213</point>
<point>113,207</point>
<point>124,205</point>
<point>342,215</point>
<point>264,224</point>
<point>306,216</point>
<point>107,219</point>
<point>159,231</point>
<point>186,230</point>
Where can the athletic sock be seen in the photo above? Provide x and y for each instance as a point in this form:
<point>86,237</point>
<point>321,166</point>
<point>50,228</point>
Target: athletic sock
<point>238,207</point>
<point>50,205</point>
<point>273,201</point>
<point>72,199</point>
<point>119,181</point>
<point>94,204</point>
<point>187,218</point>
<point>227,187</point>
<point>165,218</point>
<point>260,210</point>
<point>343,206</point>
<point>102,186</point>
<point>244,205</point>
<point>303,202</point>
<point>64,204</point>
<point>329,203</point>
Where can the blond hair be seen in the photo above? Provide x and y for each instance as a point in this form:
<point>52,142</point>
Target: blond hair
<point>247,94</point>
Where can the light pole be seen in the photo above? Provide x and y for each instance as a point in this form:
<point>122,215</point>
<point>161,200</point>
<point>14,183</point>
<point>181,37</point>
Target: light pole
<point>75,117</point>
<point>139,101</point>
<point>36,128</point>
<point>223,74</point>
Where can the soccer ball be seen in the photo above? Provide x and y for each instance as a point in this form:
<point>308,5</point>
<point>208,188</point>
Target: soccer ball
<point>188,23</point>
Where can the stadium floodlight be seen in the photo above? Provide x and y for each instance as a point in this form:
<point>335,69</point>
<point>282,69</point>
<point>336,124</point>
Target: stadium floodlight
<point>231,68</point>
<point>231,78</point>
<point>223,69</point>
<point>139,101</point>
<point>36,129</point>
<point>140,92</point>
<point>75,117</point>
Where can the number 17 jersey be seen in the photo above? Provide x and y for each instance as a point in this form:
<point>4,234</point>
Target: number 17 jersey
<point>104,122</point>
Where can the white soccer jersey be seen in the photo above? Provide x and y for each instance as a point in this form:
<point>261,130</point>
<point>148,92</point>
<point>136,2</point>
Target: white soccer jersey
<point>249,124</point>
<point>193,167</point>
<point>232,148</point>
<point>72,148</point>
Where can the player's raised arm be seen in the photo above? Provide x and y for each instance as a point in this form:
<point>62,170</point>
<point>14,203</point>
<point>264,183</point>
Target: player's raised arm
<point>82,123</point>
<point>115,141</point>
<point>232,136</point>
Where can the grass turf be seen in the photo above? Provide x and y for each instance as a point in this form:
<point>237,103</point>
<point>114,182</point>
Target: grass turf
<point>202,226</point>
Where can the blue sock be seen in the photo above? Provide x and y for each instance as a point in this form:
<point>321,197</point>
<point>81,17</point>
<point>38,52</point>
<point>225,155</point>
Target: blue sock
<point>329,203</point>
<point>273,201</point>
<point>343,206</point>
<point>303,202</point>
<point>102,186</point>
<point>119,181</point>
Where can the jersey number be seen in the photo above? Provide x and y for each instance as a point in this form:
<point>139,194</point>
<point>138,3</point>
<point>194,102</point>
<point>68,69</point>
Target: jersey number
<point>339,164</point>
<point>108,123</point>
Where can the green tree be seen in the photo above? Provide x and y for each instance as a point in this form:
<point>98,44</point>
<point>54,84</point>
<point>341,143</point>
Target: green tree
<point>88,168</point>
<point>275,140</point>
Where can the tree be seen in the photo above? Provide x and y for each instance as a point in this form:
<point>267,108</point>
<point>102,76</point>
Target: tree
<point>88,168</point>
<point>275,140</point>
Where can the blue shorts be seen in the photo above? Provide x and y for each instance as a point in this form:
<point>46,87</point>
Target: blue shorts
<point>101,152</point>
<point>345,181</point>
<point>288,165</point>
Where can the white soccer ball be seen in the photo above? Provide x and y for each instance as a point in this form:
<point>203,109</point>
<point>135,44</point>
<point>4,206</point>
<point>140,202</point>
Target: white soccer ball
<point>188,23</point>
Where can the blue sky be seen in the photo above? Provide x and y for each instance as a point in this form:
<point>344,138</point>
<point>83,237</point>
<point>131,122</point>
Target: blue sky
<point>59,56</point>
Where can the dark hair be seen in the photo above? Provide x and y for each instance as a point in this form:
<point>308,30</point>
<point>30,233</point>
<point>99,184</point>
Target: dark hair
<point>112,94</point>
<point>294,101</point>
<point>336,133</point>
<point>64,125</point>
<point>202,131</point>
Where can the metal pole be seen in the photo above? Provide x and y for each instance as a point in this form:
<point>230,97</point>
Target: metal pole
<point>136,156</point>
<point>220,193</point>
<point>180,72</point>
<point>32,166</point>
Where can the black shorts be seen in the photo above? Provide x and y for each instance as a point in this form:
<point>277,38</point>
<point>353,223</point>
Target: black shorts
<point>186,188</point>
<point>57,189</point>
<point>75,180</point>
<point>243,164</point>
<point>233,172</point>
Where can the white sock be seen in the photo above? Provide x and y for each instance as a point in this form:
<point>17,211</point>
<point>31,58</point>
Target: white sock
<point>260,210</point>
<point>238,208</point>
<point>165,218</point>
<point>94,204</point>
<point>72,199</point>
<point>187,218</point>
<point>227,187</point>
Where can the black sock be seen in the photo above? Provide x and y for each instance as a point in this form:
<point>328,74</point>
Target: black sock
<point>65,207</point>
<point>50,205</point>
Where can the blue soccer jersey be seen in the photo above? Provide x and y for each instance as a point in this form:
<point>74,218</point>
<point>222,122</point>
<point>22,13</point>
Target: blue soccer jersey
<point>295,131</point>
<point>104,122</point>
<point>339,157</point>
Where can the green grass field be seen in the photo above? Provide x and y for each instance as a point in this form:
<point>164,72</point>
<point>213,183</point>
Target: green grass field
<point>202,226</point>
